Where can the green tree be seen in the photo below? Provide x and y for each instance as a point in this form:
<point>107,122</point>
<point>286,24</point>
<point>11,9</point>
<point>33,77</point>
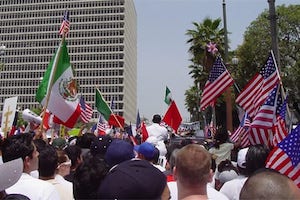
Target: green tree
<point>257,44</point>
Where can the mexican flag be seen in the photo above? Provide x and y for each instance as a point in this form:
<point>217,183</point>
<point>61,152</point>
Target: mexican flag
<point>105,110</point>
<point>168,96</point>
<point>173,117</point>
<point>63,100</point>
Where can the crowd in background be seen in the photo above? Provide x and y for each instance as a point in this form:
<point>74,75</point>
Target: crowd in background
<point>111,166</point>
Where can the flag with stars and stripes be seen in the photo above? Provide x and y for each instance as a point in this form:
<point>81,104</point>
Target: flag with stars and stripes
<point>65,25</point>
<point>242,131</point>
<point>285,157</point>
<point>218,80</point>
<point>256,91</point>
<point>86,111</point>
<point>281,130</point>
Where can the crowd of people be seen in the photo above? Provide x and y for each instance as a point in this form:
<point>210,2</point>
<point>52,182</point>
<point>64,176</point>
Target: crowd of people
<point>90,166</point>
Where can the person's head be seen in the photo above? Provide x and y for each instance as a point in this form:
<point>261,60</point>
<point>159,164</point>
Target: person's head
<point>118,151</point>
<point>100,145</point>
<point>88,176</point>
<point>156,119</point>
<point>74,153</point>
<point>145,151</point>
<point>269,184</point>
<point>48,161</point>
<point>21,146</point>
<point>192,166</point>
<point>64,163</point>
<point>241,160</point>
<point>256,158</point>
<point>226,172</point>
<point>133,179</point>
<point>221,136</point>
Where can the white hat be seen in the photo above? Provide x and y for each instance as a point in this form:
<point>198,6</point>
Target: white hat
<point>241,157</point>
<point>10,172</point>
<point>227,175</point>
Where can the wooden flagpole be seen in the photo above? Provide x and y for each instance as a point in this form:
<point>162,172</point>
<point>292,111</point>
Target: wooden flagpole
<point>51,78</point>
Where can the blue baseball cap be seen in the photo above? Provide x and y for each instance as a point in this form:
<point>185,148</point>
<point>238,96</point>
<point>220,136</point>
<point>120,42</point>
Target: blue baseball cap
<point>146,149</point>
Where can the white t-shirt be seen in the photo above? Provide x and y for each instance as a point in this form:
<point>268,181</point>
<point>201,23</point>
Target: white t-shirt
<point>211,192</point>
<point>157,131</point>
<point>33,188</point>
<point>223,153</point>
<point>233,188</point>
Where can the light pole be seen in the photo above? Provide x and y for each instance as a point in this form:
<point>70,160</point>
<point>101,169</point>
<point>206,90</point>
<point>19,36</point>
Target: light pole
<point>228,99</point>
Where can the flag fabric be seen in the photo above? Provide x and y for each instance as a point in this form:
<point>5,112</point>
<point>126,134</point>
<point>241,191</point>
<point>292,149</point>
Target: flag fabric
<point>102,125</point>
<point>261,136</point>
<point>242,131</point>
<point>265,117</point>
<point>258,88</point>
<point>102,106</point>
<point>168,96</point>
<point>86,111</point>
<point>138,120</point>
<point>65,25</point>
<point>63,99</point>
<point>116,120</point>
<point>14,126</point>
<point>219,79</point>
<point>281,130</point>
<point>112,104</point>
<point>128,130</point>
<point>172,116</point>
<point>285,157</point>
<point>144,132</point>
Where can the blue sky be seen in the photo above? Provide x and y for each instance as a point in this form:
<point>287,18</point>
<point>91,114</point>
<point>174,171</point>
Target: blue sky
<point>163,57</point>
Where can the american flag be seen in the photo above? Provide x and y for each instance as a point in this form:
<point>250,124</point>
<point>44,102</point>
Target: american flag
<point>86,111</point>
<point>138,120</point>
<point>281,130</point>
<point>242,131</point>
<point>285,157</point>
<point>102,125</point>
<point>218,80</point>
<point>258,88</point>
<point>265,117</point>
<point>261,136</point>
<point>65,25</point>
<point>130,135</point>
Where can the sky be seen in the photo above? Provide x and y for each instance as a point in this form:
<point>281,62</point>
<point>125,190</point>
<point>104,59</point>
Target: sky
<point>162,51</point>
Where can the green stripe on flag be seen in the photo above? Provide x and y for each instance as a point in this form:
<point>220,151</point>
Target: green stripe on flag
<point>102,106</point>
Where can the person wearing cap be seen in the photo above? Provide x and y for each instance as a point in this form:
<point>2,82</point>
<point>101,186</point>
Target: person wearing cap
<point>248,161</point>
<point>10,173</point>
<point>134,179</point>
<point>118,152</point>
<point>22,146</point>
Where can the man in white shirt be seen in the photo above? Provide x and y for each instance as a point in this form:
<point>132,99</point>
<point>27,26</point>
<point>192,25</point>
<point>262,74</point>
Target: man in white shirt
<point>21,146</point>
<point>155,130</point>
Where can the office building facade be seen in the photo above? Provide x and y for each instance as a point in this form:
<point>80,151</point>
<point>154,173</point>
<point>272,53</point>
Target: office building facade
<point>102,45</point>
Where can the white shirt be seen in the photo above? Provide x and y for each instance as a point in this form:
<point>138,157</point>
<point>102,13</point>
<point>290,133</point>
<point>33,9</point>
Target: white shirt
<point>66,184</point>
<point>223,153</point>
<point>157,131</point>
<point>233,188</point>
<point>33,188</point>
<point>211,192</point>
<point>63,191</point>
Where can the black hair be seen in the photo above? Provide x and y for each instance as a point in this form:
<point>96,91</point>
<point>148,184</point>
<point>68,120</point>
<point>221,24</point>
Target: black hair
<point>88,176</point>
<point>220,137</point>
<point>17,146</point>
<point>73,152</point>
<point>48,161</point>
<point>256,157</point>
<point>156,118</point>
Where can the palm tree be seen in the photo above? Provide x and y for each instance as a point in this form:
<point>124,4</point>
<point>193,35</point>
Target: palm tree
<point>203,33</point>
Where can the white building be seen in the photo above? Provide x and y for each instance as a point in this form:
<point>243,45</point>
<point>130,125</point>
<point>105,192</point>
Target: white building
<point>102,45</point>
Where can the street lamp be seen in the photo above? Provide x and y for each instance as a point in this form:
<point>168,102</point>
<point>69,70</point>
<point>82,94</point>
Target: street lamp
<point>234,61</point>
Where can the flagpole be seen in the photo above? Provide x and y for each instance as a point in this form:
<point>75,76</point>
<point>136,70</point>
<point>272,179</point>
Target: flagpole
<point>122,128</point>
<point>53,71</point>
<point>281,84</point>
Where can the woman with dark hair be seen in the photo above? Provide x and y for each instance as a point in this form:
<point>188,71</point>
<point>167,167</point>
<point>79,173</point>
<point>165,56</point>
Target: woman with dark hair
<point>222,148</point>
